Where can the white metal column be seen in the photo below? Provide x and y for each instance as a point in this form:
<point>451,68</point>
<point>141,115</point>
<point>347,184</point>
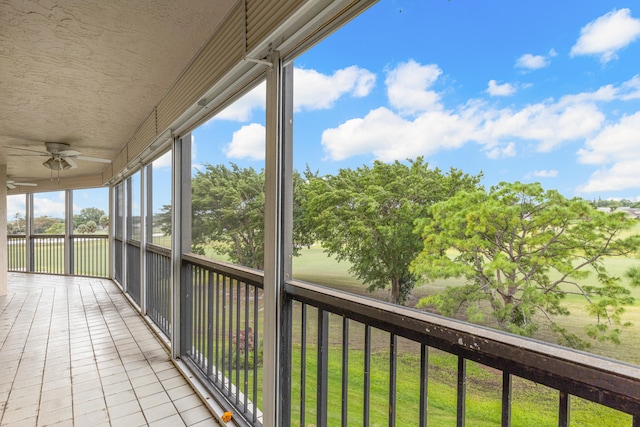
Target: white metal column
<point>180,230</point>
<point>144,208</point>
<point>112,231</point>
<point>68,231</point>
<point>278,243</point>
<point>28,231</point>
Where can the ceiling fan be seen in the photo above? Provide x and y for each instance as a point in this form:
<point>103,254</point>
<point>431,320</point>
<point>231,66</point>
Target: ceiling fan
<point>61,156</point>
<point>13,184</point>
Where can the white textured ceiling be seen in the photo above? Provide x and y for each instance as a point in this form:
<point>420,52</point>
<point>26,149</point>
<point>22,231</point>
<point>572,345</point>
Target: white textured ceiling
<point>88,72</point>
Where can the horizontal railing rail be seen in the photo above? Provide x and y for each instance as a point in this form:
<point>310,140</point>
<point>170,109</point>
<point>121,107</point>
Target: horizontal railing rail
<point>607,382</point>
<point>221,331</point>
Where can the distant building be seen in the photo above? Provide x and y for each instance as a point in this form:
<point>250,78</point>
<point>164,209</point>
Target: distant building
<point>632,212</point>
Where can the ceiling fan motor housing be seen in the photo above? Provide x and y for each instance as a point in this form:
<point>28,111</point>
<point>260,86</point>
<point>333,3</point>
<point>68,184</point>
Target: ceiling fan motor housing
<point>56,147</point>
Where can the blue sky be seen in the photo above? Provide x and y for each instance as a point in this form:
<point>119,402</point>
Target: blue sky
<point>522,91</point>
<point>528,91</point>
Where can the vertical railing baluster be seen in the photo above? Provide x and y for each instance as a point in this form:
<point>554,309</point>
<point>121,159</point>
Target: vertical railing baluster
<point>506,399</point>
<point>237,345</point>
<point>256,352</point>
<point>245,388</point>
<point>201,314</point>
<point>367,375</point>
<point>223,332</point>
<point>393,349</point>
<point>563,409</point>
<point>86,251</point>
<point>303,365</point>
<point>150,277</point>
<point>462,391</point>
<point>345,370</point>
<point>323,368</point>
<point>194,314</point>
<point>194,309</point>
<point>186,316</point>
<point>217,371</point>
<point>230,355</point>
<point>210,324</point>
<point>424,385</point>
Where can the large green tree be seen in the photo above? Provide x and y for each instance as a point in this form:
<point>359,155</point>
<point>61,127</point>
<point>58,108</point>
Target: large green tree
<point>366,216</point>
<point>88,214</point>
<point>228,208</point>
<point>228,213</point>
<point>42,223</point>
<point>522,250</point>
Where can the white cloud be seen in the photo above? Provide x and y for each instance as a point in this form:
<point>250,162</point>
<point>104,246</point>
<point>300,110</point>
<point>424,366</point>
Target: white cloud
<point>500,152</point>
<point>314,91</point>
<point>631,89</point>
<point>496,89</point>
<point>606,35</point>
<point>615,142</point>
<point>389,136</point>
<point>16,203</point>
<point>620,176</point>
<point>195,164</point>
<point>545,173</point>
<point>242,109</point>
<point>48,207</point>
<point>533,62</point>
<point>247,143</point>
<point>163,161</point>
<point>407,87</point>
<point>548,124</point>
<point>616,149</point>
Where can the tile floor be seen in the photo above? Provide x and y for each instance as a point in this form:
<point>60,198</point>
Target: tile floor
<point>73,352</point>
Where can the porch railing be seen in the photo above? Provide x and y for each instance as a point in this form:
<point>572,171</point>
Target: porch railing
<point>16,252</point>
<point>159,287</point>
<point>336,344</point>
<point>379,329</point>
<point>90,254</point>
<point>48,253</point>
<point>221,329</point>
<point>118,251</point>
<point>133,270</point>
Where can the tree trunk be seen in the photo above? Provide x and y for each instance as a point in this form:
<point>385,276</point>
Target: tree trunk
<point>395,290</point>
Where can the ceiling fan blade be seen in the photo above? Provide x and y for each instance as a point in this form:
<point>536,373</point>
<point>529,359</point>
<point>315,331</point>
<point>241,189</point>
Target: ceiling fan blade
<point>71,162</point>
<point>28,155</point>
<point>73,153</point>
<point>92,159</point>
<point>25,184</point>
<point>10,186</point>
<point>42,153</point>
